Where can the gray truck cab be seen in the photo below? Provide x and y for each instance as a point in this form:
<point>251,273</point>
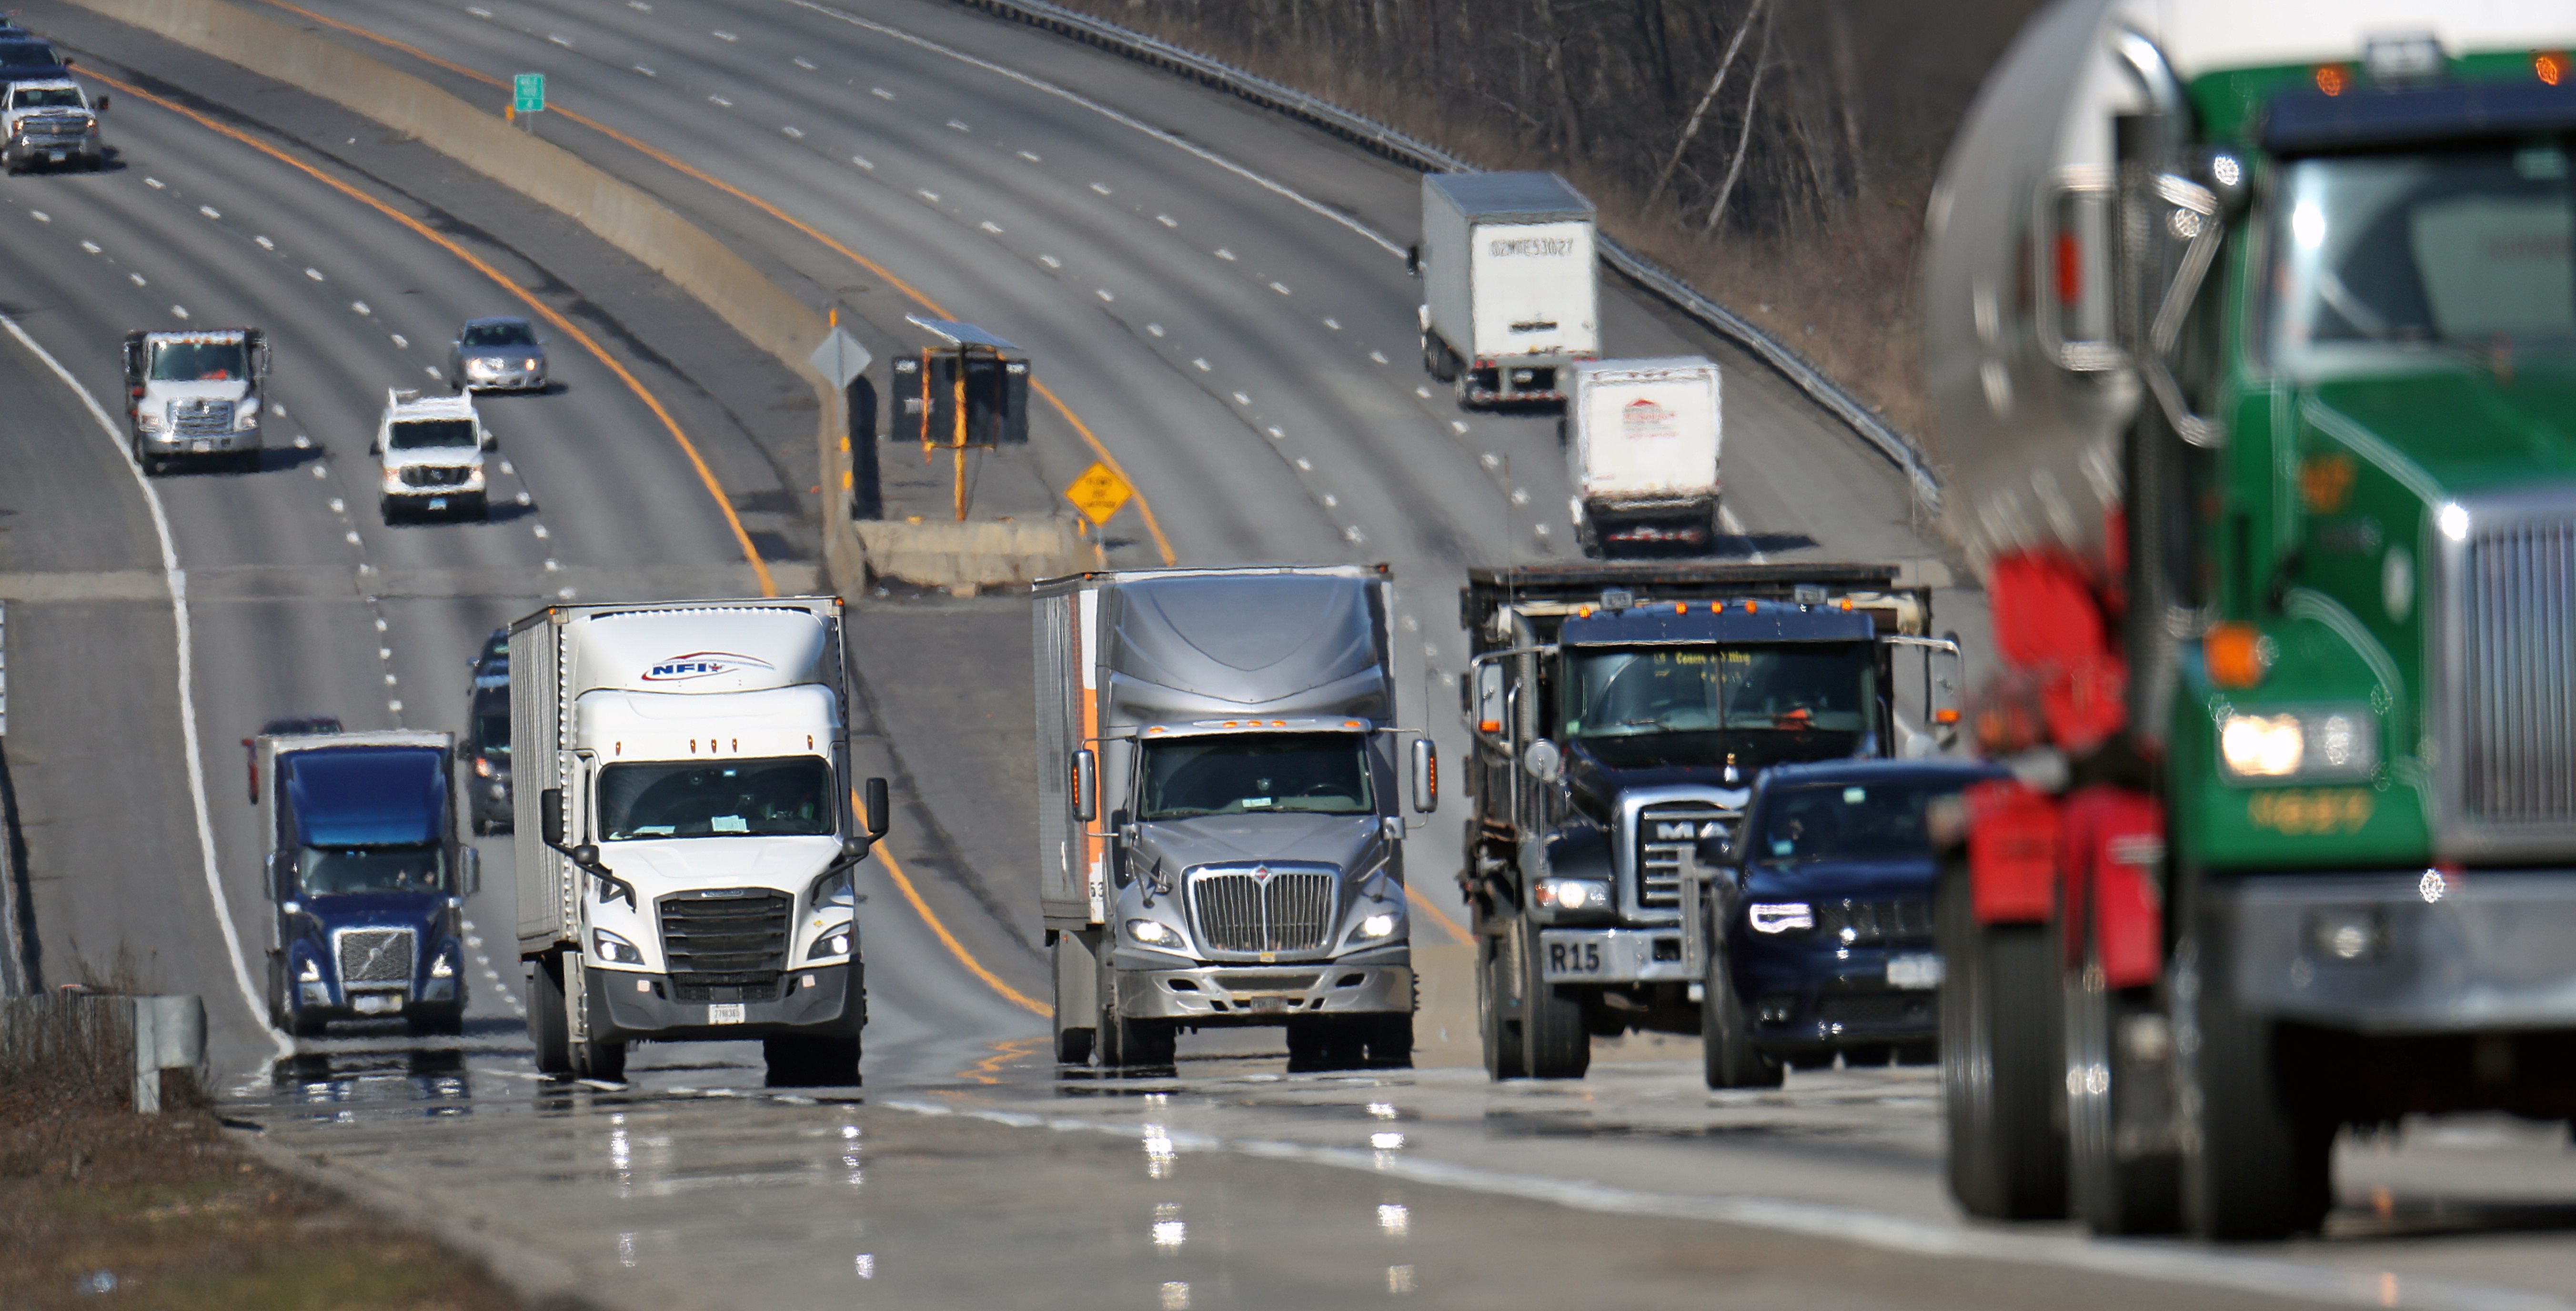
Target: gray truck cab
<point>1223,825</point>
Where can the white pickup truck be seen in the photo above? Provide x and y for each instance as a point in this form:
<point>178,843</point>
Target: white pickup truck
<point>430,449</point>
<point>51,122</point>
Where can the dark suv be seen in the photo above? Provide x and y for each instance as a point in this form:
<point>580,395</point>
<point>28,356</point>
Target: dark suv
<point>486,747</point>
<point>1820,920</point>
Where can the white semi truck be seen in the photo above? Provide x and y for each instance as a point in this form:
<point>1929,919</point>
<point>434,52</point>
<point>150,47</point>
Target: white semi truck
<point>1509,296</point>
<point>1641,448</point>
<point>1220,834</point>
<point>685,841</point>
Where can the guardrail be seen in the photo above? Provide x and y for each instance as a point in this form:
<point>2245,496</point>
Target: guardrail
<point>1406,149</point>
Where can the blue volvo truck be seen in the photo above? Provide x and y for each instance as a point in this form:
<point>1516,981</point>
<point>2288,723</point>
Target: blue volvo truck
<point>366,879</point>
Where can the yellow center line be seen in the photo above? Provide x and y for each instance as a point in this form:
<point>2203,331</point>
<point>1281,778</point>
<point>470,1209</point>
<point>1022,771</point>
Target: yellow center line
<point>1438,916</point>
<point>1153,527</point>
<point>989,1069</point>
<point>903,883</point>
<point>724,504</point>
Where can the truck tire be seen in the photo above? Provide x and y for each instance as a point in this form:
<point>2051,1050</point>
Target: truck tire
<point>436,1024</point>
<point>1074,1013</point>
<point>1495,1025</point>
<point>2253,1168</point>
<point>2001,1072</point>
<point>276,992</point>
<point>1727,1055</point>
<point>1388,1040</point>
<point>1554,1041</point>
<point>2114,1191</point>
<point>1122,1043</point>
<point>1327,1043</point>
<point>800,1061</point>
<point>547,1031</point>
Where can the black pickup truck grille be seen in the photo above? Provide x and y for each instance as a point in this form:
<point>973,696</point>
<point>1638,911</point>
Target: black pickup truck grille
<point>729,937</point>
<point>1902,919</point>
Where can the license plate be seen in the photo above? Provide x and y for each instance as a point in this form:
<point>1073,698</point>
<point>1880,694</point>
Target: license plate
<point>55,155</point>
<point>1565,958</point>
<point>725,1013</point>
<point>201,447</point>
<point>375,1003</point>
<point>438,503</point>
<point>1917,971</point>
<point>1268,1003</point>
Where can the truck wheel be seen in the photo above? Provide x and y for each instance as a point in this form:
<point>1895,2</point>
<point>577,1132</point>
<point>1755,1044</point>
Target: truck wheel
<point>796,1061</point>
<point>1388,1042</point>
<point>276,992</point>
<point>1553,1039</point>
<point>1727,1054</point>
<point>300,1025</point>
<point>2252,1167</point>
<point>1122,1043</point>
<point>604,1061</point>
<point>546,1029</point>
<point>2000,1066</point>
<point>1500,1031</point>
<point>1074,978</point>
<point>2114,1189</point>
<point>1327,1043</point>
<point>436,1024</point>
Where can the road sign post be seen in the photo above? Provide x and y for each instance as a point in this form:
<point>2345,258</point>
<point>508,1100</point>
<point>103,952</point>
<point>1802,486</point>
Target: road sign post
<point>1100,494</point>
<point>528,96</point>
<point>843,362</point>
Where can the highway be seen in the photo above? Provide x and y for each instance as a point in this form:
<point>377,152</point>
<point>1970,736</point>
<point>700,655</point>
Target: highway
<point>1219,297</point>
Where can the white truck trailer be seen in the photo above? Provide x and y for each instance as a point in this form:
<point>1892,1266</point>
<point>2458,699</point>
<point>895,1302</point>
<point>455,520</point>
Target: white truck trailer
<point>1510,300</point>
<point>1641,449</point>
<point>684,839</point>
<point>1220,839</point>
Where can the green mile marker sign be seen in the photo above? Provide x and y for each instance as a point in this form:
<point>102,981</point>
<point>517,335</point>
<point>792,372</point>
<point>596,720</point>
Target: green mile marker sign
<point>528,93</point>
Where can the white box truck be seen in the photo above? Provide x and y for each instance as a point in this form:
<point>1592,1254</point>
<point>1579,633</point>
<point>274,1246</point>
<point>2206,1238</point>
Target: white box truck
<point>1220,825</point>
<point>1641,450</point>
<point>1510,299</point>
<point>685,841</point>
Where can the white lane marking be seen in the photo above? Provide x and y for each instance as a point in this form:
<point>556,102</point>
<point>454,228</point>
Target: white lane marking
<point>559,40</point>
<point>1031,158</point>
<point>210,211</point>
<point>352,535</point>
<point>800,63</point>
<point>1241,399</point>
<point>1458,426</point>
<point>478,13</point>
<point>1154,328</point>
<point>1520,496</point>
<point>1490,460</point>
<point>1726,519</point>
<point>1051,261</point>
<point>1167,220</point>
<point>1099,188</point>
<point>721,101</point>
<point>90,246</point>
<point>1305,465</point>
<point>1353,535</point>
<point>925,194</point>
<point>1423,392</point>
<point>1334,324</point>
<point>1050,88</point>
<point>880,93</point>
<point>179,310</point>
<point>41,216</point>
<point>1275,434</point>
<point>1379,356</point>
<point>645,71</point>
<point>640,5</point>
<point>796,132</point>
<point>1103,293</point>
<point>1282,290</point>
<point>265,243</point>
<point>320,472</point>
<point>724,36</point>
<point>1203,365</point>
<point>360,306</point>
<point>862,161</point>
<point>541,531</point>
<point>155,183</point>
<point>1224,254</point>
<point>959,126</point>
<point>990,226</point>
<point>1331,500</point>
<point>315,274</point>
<point>138,279</point>
<point>432,370</point>
<point>551,566</point>
<point>339,506</point>
<point>178,583</point>
<point>400,343</point>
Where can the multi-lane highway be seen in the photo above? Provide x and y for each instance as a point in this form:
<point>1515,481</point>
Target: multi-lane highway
<point>1219,298</point>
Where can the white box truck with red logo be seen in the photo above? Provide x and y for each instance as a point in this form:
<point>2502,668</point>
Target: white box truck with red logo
<point>1641,448</point>
<point>685,840</point>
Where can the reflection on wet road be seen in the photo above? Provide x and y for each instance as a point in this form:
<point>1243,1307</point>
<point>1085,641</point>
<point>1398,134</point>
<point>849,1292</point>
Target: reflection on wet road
<point>997,1182</point>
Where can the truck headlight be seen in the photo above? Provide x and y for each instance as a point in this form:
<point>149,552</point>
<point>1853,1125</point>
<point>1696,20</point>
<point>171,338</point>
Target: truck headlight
<point>1154,933</point>
<point>1380,925</point>
<point>147,420</point>
<point>834,941</point>
<point>1780,916</point>
<point>2317,744</point>
<point>393,478</point>
<point>614,949</point>
<point>246,415</point>
<point>1571,894</point>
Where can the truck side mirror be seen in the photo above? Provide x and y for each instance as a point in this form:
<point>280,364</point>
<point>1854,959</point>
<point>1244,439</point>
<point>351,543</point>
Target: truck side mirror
<point>102,103</point>
<point>250,747</point>
<point>1086,785</point>
<point>470,882</point>
<point>586,855</point>
<point>880,812</point>
<point>550,818</point>
<point>1426,776</point>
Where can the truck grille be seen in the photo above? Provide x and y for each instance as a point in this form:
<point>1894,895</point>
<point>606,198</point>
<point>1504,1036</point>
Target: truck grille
<point>1902,919</point>
<point>374,956</point>
<point>1665,835</point>
<point>57,125</point>
<point>436,475</point>
<point>1263,908</point>
<point>725,936</point>
<point>2517,679</point>
<point>199,417</point>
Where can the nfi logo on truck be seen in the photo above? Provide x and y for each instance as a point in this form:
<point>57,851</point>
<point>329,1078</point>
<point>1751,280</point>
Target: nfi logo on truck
<point>703,664</point>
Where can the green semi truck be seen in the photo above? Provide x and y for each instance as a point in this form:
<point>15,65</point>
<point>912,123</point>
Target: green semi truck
<point>2251,332</point>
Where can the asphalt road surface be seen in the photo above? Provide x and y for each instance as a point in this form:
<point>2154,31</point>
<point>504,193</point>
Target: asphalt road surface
<point>1215,294</point>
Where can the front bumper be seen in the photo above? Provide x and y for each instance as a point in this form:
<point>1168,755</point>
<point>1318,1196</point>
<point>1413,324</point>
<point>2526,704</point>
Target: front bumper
<point>2474,951</point>
<point>505,379</point>
<point>320,1000</point>
<point>1264,994</point>
<point>1817,995</point>
<point>490,798</point>
<point>630,1006</point>
<point>166,443</point>
<point>1613,956</point>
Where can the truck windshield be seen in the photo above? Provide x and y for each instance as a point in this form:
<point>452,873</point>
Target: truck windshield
<point>1624,691</point>
<point>46,97</point>
<point>1838,821</point>
<point>786,795</point>
<point>2421,256</point>
<point>338,871</point>
<point>492,733</point>
<point>1303,773</point>
<point>199,361</point>
<point>422,434</point>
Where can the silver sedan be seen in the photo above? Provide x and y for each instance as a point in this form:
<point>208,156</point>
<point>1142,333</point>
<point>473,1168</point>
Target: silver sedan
<point>498,354</point>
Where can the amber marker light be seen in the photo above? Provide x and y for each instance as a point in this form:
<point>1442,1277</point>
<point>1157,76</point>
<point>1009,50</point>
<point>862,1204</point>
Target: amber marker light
<point>2550,66</point>
<point>2235,655</point>
<point>2332,79</point>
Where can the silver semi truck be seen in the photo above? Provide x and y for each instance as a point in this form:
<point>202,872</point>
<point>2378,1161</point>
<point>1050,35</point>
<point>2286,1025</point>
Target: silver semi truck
<point>685,844</point>
<point>1220,838</point>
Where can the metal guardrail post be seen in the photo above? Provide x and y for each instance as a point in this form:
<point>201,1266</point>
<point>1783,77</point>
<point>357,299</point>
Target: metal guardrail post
<point>1899,449</point>
<point>169,1034</point>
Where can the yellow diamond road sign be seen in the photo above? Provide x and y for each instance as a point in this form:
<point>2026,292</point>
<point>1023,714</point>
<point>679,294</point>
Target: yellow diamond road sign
<point>1099,493</point>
